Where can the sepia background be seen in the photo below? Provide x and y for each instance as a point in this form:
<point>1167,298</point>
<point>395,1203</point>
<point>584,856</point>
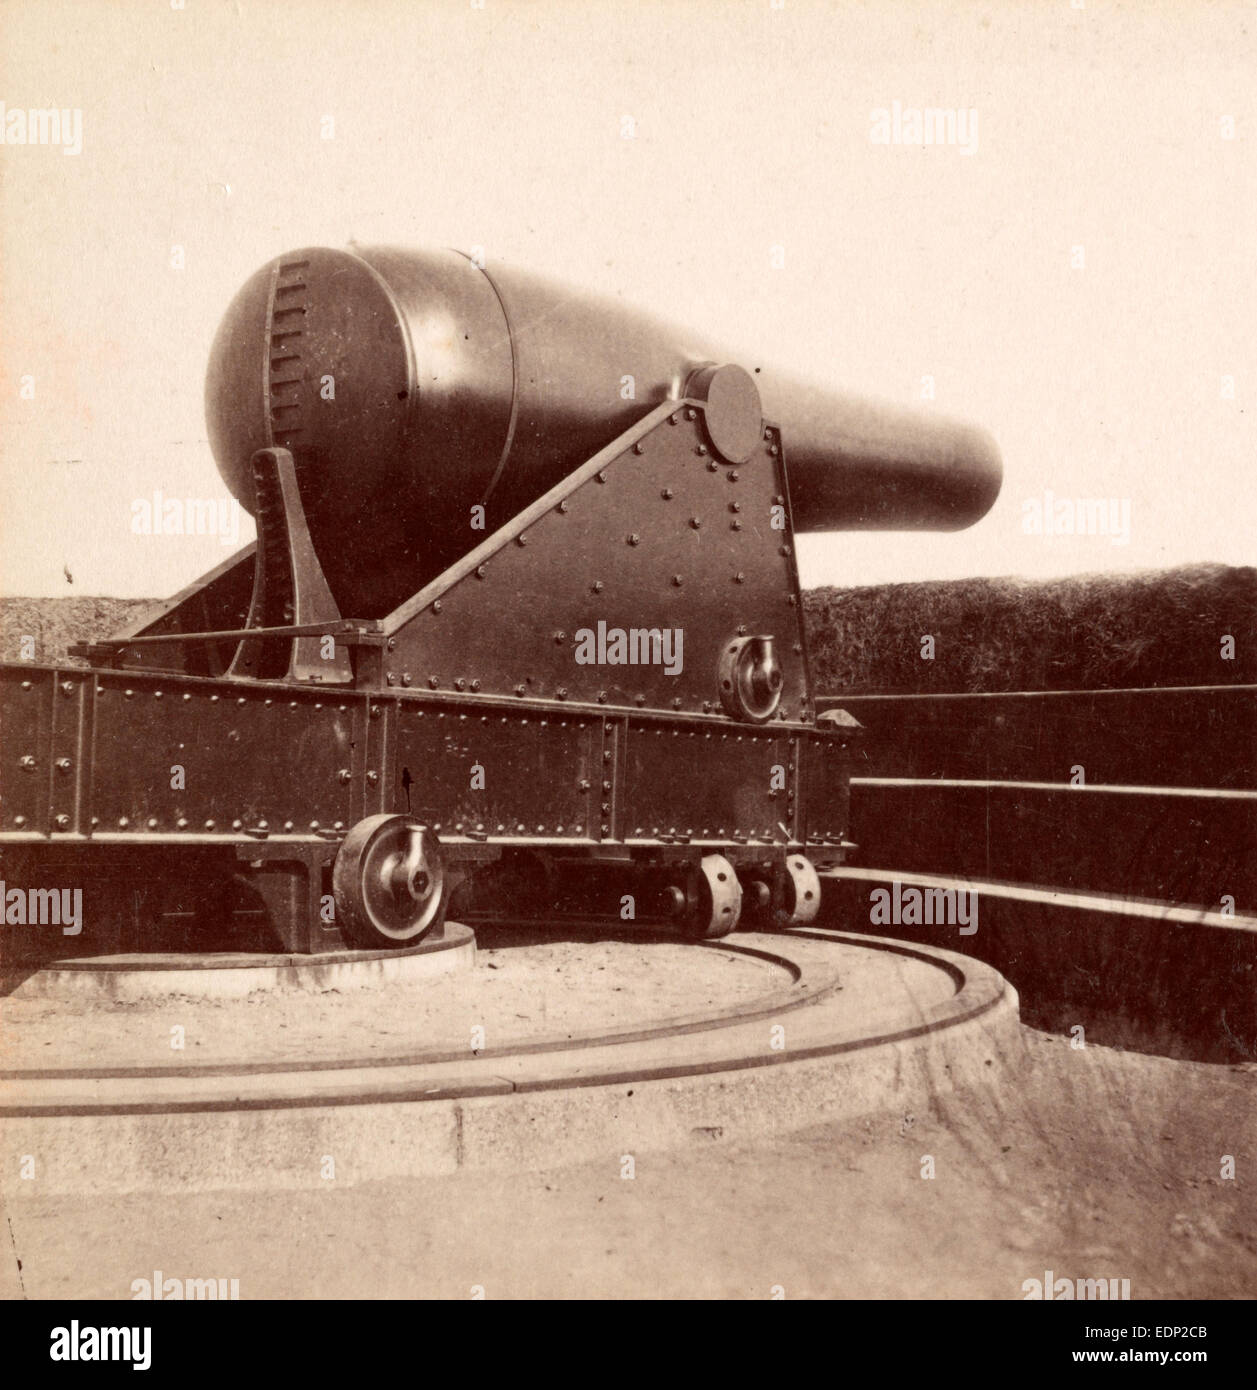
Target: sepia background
<point>656,152</point>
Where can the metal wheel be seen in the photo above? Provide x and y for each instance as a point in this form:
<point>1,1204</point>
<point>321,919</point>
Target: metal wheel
<point>803,890</point>
<point>715,899</point>
<point>388,882</point>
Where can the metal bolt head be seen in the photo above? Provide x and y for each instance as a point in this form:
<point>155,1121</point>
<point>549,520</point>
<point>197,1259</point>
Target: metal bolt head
<point>344,776</point>
<point>667,494</point>
<point>436,605</point>
<point>560,637</point>
<point>63,764</point>
<point>480,571</point>
<point>519,689</point>
<point>406,677</point>
<point>521,540</point>
<point>695,522</point>
<point>691,413</point>
<point>390,678</point>
<point>67,687</point>
<point>460,684</point>
<point>373,777</point>
<point>475,685</point>
<point>639,447</point>
<point>677,581</point>
<point>26,762</point>
<point>701,450</point>
<point>561,692</point>
<point>585,784</point>
<point>392,643</point>
<point>597,586</point>
<point>63,822</point>
<point>634,539</point>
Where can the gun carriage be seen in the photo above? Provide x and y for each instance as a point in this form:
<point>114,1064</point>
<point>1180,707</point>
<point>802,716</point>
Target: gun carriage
<point>521,631</point>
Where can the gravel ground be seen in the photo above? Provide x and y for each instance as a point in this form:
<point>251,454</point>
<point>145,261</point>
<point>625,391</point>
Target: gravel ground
<point>1097,1164</point>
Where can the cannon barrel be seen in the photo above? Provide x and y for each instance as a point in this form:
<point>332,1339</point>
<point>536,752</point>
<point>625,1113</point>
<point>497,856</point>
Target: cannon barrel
<point>412,387</point>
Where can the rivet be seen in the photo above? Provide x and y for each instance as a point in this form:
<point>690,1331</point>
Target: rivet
<point>288,825</point>
<point>480,571</point>
<point>26,685</point>
<point>741,629</point>
<point>768,434</point>
<point>186,695</point>
<point>209,825</point>
<point>677,581</point>
<point>790,599</point>
<point>123,822</point>
<point>739,578</point>
<point>340,825</point>
<point>344,776</point>
<point>701,450</point>
<point>560,637</point>
<point>268,703</point>
<point>667,494</point>
<point>639,447</point>
<point>181,824</point>
<point>62,822</point>
<point>314,825</point>
<point>521,540</point>
<point>672,419</point>
<point>156,694</point>
<point>241,700</point>
<point>372,778</point>
<point>695,522</point>
<point>392,644</point>
<point>375,711</point>
<point>152,822</point>
<point>436,605</point>
<point>519,689</point>
<point>390,678</point>
<point>641,699</point>
<point>213,699</point>
<point>676,702</point>
<point>564,506</point>
<point>735,506</point>
<point>597,586</point>
<point>784,550</point>
<point>406,677</point>
<point>634,539</point>
<point>460,683</point>
<point>475,685</point>
<point>713,467</point>
<point>780,501</point>
<point>734,475</point>
<point>128,694</point>
<point>602,476</point>
<point>606,755</point>
<point>602,697</point>
<point>561,692</point>
<point>773,450</point>
<point>63,764</point>
<point>67,687</point>
<point>604,829</point>
<point>735,525</point>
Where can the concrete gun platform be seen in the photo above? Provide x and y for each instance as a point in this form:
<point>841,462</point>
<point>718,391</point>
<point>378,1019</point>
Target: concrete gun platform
<point>794,1029</point>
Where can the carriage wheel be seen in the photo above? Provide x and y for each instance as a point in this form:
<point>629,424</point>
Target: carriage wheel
<point>388,882</point>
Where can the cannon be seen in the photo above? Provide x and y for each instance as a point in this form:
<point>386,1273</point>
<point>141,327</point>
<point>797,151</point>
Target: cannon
<point>521,634</point>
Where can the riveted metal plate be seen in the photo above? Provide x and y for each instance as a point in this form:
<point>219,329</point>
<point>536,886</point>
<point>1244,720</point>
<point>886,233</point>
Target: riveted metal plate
<point>498,773</point>
<point>248,753</point>
<point>704,785</point>
<point>658,541</point>
<point>27,696</point>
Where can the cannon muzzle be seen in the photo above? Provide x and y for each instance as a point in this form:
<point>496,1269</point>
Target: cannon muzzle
<point>426,400</point>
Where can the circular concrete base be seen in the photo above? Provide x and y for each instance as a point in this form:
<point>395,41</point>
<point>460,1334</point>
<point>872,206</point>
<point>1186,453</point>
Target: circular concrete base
<point>827,1025</point>
<point>229,975</point>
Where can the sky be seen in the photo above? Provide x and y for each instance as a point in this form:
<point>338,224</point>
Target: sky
<point>1077,275</point>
